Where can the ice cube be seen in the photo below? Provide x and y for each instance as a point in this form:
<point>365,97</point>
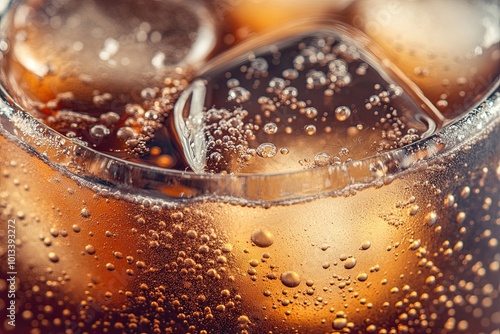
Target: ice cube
<point>449,48</point>
<point>258,16</point>
<point>89,46</point>
<point>308,100</point>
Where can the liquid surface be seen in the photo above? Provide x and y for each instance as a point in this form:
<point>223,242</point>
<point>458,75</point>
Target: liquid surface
<point>360,78</point>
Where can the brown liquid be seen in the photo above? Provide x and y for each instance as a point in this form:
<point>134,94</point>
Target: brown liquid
<point>416,252</point>
<point>110,76</point>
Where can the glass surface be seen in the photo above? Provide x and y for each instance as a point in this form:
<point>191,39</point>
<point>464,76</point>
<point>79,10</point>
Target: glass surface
<point>122,213</point>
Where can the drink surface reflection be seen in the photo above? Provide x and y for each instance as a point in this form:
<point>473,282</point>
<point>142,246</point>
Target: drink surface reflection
<point>318,169</point>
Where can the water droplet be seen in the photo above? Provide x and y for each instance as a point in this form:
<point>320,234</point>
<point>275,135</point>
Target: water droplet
<point>290,279</point>
<point>350,263</point>
<point>339,323</point>
<point>365,245</point>
<point>53,257</point>
<point>362,277</point>
<point>110,266</point>
<point>85,213</point>
<point>262,238</point>
<point>431,218</point>
<point>90,249</point>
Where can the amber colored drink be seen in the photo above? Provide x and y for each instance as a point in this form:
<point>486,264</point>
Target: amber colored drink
<point>270,167</point>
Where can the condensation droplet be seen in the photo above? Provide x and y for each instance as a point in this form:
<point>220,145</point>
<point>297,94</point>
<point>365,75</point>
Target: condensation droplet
<point>365,245</point>
<point>431,218</point>
<point>90,249</point>
<point>85,213</point>
<point>362,277</point>
<point>262,238</point>
<point>290,279</point>
<point>350,263</point>
<point>53,257</point>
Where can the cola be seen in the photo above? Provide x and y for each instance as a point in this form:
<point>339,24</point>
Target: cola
<point>250,167</point>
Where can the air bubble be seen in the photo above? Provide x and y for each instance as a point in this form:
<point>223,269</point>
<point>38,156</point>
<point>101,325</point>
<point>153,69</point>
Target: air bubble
<point>267,150</point>
<point>99,131</point>
<point>270,128</point>
<point>311,112</point>
<point>310,129</point>
<point>322,159</point>
<point>238,95</point>
<point>342,113</point>
<point>290,74</point>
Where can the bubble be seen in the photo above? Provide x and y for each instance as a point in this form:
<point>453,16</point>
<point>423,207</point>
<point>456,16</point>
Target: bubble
<point>99,131</point>
<point>290,279</point>
<point>277,84</point>
<point>315,79</point>
<point>338,67</point>
<point>125,133</point>
<point>290,92</point>
<point>259,65</point>
<point>310,129</point>
<point>270,128</point>
<point>311,112</point>
<point>110,266</point>
<point>232,83</point>
<point>262,238</point>
<point>322,159</point>
<point>342,113</point>
<point>267,150</point>
<point>238,95</point>
<point>290,74</point>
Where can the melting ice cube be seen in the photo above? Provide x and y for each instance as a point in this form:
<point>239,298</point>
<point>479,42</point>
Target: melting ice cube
<point>315,99</point>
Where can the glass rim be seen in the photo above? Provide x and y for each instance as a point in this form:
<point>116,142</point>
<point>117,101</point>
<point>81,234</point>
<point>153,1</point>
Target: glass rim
<point>123,178</point>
